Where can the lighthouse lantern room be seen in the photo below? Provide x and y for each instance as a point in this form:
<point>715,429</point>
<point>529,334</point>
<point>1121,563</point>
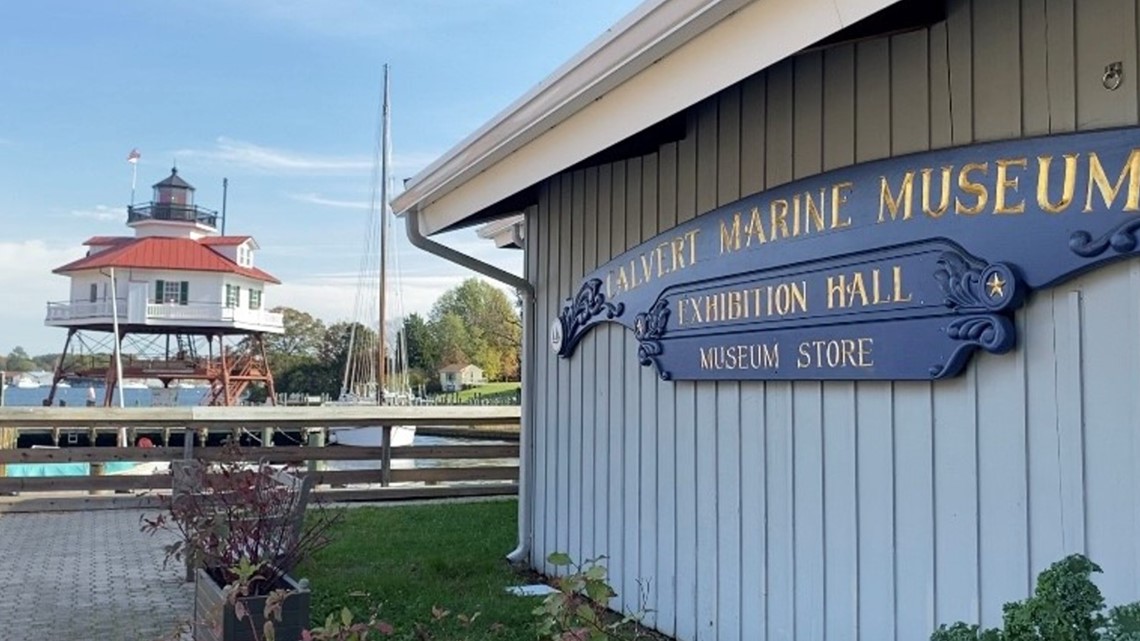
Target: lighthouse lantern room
<point>188,303</point>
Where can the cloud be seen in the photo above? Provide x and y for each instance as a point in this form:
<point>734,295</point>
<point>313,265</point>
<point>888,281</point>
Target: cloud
<point>317,199</point>
<point>28,284</point>
<point>240,154</point>
<point>248,155</point>
<point>101,213</point>
<point>332,296</point>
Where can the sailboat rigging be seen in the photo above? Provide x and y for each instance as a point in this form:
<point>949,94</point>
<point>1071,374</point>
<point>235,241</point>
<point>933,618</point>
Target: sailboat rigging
<point>372,375</point>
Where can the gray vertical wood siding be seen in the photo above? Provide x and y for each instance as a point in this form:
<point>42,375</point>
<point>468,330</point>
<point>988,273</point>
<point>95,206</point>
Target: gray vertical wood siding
<point>807,510</point>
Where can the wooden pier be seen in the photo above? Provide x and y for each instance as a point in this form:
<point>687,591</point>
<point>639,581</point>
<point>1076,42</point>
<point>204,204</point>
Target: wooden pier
<point>487,476</point>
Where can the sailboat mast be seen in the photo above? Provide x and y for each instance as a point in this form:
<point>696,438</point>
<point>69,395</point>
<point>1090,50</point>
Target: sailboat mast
<point>381,357</point>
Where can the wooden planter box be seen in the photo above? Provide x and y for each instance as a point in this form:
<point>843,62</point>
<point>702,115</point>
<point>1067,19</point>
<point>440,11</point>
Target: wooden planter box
<point>214,618</point>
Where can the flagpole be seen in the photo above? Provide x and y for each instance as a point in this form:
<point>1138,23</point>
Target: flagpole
<point>133,158</point>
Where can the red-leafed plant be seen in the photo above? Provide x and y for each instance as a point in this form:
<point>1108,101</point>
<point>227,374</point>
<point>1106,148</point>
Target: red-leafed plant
<point>241,514</point>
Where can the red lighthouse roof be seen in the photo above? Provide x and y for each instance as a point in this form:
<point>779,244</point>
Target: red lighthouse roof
<point>157,252</point>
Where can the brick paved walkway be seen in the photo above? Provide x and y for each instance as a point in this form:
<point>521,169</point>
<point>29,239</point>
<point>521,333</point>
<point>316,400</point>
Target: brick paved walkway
<point>87,576</point>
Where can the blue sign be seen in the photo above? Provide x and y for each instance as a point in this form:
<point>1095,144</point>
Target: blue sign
<point>891,270</point>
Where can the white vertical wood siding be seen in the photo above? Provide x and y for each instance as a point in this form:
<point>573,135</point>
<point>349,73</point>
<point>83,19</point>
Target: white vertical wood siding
<point>807,510</point>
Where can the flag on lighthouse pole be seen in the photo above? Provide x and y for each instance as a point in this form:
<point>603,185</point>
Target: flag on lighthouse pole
<point>133,157</point>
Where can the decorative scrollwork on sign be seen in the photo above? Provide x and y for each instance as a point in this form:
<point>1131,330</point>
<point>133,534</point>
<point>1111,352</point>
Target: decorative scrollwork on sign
<point>1122,239</point>
<point>991,332</point>
<point>585,310</point>
<point>971,285</point>
<point>648,328</point>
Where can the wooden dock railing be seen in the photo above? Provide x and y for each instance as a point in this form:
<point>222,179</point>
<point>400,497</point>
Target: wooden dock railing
<point>435,471</point>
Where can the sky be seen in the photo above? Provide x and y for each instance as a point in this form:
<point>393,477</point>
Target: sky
<point>279,96</point>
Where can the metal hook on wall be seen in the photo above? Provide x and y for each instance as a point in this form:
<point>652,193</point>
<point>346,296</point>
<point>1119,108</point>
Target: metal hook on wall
<point>1113,75</point>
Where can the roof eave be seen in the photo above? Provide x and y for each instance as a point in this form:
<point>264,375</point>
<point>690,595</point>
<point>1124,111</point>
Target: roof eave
<point>649,66</point>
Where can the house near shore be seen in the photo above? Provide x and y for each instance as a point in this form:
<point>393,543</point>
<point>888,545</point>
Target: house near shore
<point>831,323</point>
<point>456,377</point>
<point>187,301</point>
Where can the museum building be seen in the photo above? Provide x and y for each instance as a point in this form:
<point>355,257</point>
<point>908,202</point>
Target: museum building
<point>833,307</point>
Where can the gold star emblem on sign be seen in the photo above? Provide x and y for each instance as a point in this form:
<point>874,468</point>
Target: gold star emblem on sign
<point>996,285</point>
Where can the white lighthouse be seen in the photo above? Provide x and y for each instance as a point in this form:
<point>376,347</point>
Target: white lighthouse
<point>189,303</point>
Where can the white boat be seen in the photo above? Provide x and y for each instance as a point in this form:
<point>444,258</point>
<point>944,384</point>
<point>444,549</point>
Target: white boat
<point>369,367</point>
<point>134,384</point>
<point>26,382</point>
<point>402,435</point>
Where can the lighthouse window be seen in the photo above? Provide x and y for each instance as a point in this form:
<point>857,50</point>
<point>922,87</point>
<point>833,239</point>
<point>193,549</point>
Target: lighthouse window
<point>255,299</point>
<point>233,295</point>
<point>93,295</point>
<point>172,292</point>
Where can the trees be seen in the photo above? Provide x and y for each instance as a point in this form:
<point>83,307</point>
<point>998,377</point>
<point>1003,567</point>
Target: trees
<point>475,322</point>
<point>301,340</point>
<point>19,361</point>
<point>418,341</point>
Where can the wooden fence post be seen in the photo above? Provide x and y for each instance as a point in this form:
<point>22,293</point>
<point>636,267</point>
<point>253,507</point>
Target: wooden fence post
<point>386,457</point>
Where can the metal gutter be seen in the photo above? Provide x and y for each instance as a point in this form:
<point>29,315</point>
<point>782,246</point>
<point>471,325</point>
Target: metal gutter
<point>524,287</point>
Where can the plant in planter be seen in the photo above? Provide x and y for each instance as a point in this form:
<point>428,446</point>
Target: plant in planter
<point>243,528</point>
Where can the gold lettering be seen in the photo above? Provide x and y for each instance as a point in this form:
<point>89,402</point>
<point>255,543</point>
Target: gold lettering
<point>1003,183</point>
<point>706,358</point>
<point>844,352</point>
<point>836,287</point>
<point>1109,192</point>
<point>976,189</point>
<point>944,194</point>
<point>771,358</point>
<point>899,298</point>
<point>678,245</point>
<point>796,215</point>
<point>711,310</point>
<point>804,359</point>
<point>779,213</point>
<point>857,288</point>
<point>799,296</point>
<point>680,311</point>
<point>848,347</point>
<point>1068,186</point>
<point>736,308</point>
<point>647,267</point>
<point>813,215</point>
<point>838,197</point>
<point>755,228</point>
<point>730,240</point>
<point>692,238</point>
<point>623,280</point>
<point>661,271</point>
<point>865,345</point>
<point>889,203</point>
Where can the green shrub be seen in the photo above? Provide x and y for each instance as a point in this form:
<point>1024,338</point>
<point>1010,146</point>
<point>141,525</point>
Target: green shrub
<point>1065,606</point>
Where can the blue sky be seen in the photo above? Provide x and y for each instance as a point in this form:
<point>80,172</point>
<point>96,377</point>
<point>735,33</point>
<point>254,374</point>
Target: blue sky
<point>280,96</point>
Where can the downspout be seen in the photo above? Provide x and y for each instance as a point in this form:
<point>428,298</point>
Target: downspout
<point>526,289</point>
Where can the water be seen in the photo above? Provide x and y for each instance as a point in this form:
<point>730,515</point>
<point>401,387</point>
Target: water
<point>77,396</point>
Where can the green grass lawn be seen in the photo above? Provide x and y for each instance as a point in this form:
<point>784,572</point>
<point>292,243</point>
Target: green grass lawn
<point>488,389</point>
<point>409,559</point>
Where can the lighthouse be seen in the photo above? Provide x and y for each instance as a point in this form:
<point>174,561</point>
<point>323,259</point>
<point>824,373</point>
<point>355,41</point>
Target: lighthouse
<point>189,305</point>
